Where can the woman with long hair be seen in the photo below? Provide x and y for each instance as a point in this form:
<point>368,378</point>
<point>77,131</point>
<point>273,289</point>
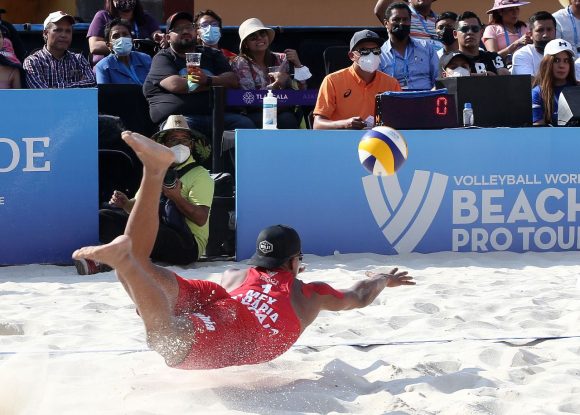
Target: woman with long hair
<point>144,26</point>
<point>254,69</point>
<point>556,73</point>
<point>506,33</point>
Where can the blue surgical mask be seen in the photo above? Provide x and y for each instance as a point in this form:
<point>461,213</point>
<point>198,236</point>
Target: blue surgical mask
<point>122,46</point>
<point>210,35</point>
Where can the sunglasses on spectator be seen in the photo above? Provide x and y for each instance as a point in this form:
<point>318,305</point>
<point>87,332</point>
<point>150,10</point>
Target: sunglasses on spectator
<point>469,28</point>
<point>207,24</point>
<point>367,51</point>
<point>256,35</point>
<point>184,28</point>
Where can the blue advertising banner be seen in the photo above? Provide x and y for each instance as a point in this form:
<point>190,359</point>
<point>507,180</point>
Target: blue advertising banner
<point>48,174</point>
<point>254,97</point>
<point>474,190</point>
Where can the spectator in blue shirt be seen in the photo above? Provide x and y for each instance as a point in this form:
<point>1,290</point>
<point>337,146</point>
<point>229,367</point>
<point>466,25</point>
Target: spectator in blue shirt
<point>123,65</point>
<point>413,62</point>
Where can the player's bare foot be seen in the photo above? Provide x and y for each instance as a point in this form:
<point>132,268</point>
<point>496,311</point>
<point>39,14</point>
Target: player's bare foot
<point>113,253</point>
<point>155,157</point>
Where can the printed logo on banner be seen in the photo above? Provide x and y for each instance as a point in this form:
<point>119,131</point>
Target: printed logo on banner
<point>404,219</point>
<point>248,97</point>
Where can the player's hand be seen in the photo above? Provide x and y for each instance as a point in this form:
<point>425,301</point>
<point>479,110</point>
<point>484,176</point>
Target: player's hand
<point>119,199</point>
<point>393,278</point>
<point>354,123</point>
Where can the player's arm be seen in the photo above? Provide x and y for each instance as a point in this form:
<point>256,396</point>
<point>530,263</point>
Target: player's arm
<point>364,292</point>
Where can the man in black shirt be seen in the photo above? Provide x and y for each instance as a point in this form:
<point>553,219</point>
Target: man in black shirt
<point>168,90</point>
<point>468,33</point>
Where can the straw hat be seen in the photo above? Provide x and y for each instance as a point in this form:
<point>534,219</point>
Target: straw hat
<point>253,25</point>
<point>174,122</point>
<point>504,4</point>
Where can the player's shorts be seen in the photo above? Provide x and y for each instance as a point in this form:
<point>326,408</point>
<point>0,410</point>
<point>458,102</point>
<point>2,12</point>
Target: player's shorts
<point>226,333</point>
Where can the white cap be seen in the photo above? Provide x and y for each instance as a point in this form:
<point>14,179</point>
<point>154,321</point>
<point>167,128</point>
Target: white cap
<point>56,16</point>
<point>558,45</point>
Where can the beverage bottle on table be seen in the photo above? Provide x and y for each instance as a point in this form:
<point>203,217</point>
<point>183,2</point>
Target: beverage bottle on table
<point>468,120</point>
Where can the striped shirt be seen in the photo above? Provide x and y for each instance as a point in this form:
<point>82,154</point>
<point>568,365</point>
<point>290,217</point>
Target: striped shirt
<point>45,71</point>
<point>422,28</point>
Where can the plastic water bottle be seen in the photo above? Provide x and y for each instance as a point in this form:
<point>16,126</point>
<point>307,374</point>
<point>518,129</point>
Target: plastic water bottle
<point>468,120</point>
<point>270,112</point>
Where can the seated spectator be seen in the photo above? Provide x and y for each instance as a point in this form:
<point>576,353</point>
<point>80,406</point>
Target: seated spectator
<point>54,66</point>
<point>123,65</point>
<point>413,62</point>
<point>185,203</point>
<point>454,64</point>
<point>445,26</point>
<point>468,33</point>
<point>423,19</point>
<point>556,73</point>
<point>12,42</point>
<point>209,31</point>
<point>526,61</point>
<point>505,33</point>
<point>252,68</point>
<point>568,23</point>
<point>143,25</point>
<point>168,89</point>
<point>346,99</point>
<point>9,70</point>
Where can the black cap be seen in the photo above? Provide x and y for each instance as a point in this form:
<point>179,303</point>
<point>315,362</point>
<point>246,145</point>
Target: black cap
<point>448,57</point>
<point>274,246</point>
<point>365,36</point>
<point>177,16</point>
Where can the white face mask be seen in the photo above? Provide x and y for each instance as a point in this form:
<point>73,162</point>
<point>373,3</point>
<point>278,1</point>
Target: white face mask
<point>181,153</point>
<point>457,72</point>
<point>369,63</point>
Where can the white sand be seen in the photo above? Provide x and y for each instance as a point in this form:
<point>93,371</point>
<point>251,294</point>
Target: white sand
<point>465,301</point>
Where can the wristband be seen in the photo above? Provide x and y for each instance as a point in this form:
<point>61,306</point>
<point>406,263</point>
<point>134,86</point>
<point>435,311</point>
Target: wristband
<point>192,86</point>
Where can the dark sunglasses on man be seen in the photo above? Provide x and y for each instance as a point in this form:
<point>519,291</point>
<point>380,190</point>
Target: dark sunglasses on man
<point>366,51</point>
<point>469,28</point>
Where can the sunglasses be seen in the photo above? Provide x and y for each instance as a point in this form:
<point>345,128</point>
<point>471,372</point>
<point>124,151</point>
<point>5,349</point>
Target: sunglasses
<point>469,28</point>
<point>366,51</point>
<point>256,35</point>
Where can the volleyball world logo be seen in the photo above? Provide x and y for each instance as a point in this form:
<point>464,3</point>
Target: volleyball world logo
<point>405,218</point>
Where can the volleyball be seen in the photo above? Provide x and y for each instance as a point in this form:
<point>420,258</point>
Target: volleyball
<point>382,151</point>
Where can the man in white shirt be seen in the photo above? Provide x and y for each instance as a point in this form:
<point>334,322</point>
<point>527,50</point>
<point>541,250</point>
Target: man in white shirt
<point>568,22</point>
<point>526,60</point>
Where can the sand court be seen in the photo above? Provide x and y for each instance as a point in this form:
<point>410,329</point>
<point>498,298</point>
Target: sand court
<point>470,338</point>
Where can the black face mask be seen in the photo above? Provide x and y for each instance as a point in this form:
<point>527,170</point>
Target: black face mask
<point>401,32</point>
<point>540,45</point>
<point>446,36</point>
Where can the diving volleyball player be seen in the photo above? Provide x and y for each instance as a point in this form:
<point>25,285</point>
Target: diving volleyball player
<point>254,316</point>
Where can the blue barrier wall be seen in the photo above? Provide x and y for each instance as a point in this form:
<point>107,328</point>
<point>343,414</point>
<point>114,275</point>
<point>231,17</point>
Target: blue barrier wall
<point>460,190</point>
<point>48,174</point>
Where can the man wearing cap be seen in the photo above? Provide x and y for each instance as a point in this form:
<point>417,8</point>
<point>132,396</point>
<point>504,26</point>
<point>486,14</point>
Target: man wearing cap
<point>413,62</point>
<point>168,90</point>
<point>468,32</point>
<point>454,64</point>
<point>54,66</point>
<point>526,60</point>
<point>568,22</point>
<point>346,99</point>
<point>186,198</point>
<point>254,316</point>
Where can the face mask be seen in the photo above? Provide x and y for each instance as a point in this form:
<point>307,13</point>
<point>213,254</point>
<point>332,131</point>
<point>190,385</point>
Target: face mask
<point>210,35</point>
<point>401,32</point>
<point>446,36</point>
<point>458,72</point>
<point>181,153</point>
<point>541,45</point>
<point>125,5</point>
<point>369,63</point>
<point>122,46</point>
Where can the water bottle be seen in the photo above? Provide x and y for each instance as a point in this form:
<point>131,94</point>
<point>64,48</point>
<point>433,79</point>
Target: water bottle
<point>270,112</point>
<point>468,115</point>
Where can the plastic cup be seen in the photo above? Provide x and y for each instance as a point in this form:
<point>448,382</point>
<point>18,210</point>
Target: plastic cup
<point>192,61</point>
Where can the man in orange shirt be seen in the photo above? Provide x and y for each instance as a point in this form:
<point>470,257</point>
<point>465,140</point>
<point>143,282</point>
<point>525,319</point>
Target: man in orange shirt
<point>346,99</point>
